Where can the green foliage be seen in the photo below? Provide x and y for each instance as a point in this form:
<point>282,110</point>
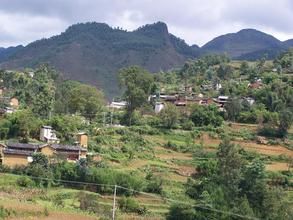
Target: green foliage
<point>5,213</point>
<point>86,100</point>
<point>206,115</point>
<point>43,91</point>
<point>286,120</point>
<point>23,124</point>
<point>25,181</point>
<point>67,125</point>
<point>169,116</point>
<point>137,83</point>
<point>127,204</point>
<point>179,211</point>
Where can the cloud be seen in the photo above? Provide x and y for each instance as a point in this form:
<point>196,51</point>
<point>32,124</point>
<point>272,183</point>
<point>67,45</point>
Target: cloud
<point>196,21</point>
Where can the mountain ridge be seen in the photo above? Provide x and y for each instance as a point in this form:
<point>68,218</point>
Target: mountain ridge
<point>94,52</point>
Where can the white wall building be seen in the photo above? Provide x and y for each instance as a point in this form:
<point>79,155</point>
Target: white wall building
<point>47,134</point>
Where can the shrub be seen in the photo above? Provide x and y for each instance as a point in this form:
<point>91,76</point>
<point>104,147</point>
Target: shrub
<point>127,204</point>
<point>188,125</point>
<point>25,181</point>
<point>155,184</point>
<point>178,211</point>
<point>5,213</point>
<point>171,145</point>
<point>206,115</point>
<point>146,129</point>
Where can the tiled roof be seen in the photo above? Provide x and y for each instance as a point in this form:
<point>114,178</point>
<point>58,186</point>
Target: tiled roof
<point>18,152</point>
<point>68,147</point>
<point>21,145</point>
<point>35,147</point>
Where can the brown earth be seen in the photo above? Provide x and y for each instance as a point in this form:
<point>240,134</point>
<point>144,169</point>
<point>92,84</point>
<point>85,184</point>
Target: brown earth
<point>278,166</point>
<point>249,145</point>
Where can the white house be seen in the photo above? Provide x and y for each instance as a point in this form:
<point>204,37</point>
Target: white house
<point>118,105</point>
<point>47,134</point>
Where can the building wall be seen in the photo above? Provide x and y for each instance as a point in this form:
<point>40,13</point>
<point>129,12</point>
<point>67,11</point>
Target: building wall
<point>47,150</point>
<point>83,140</point>
<point>83,154</point>
<point>12,160</point>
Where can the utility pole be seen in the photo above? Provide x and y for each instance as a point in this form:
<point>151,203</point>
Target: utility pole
<point>114,203</point>
<point>104,118</point>
<point>111,119</point>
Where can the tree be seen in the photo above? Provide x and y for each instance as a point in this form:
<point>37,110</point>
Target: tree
<point>24,124</point>
<point>86,100</point>
<point>286,120</point>
<point>229,167</point>
<point>67,125</point>
<point>244,68</point>
<point>43,91</point>
<point>206,115</point>
<point>137,84</point>
<point>233,108</point>
<point>169,116</point>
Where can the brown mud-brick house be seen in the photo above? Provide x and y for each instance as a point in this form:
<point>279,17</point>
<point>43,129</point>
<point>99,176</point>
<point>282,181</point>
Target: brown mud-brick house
<point>82,139</point>
<point>14,154</point>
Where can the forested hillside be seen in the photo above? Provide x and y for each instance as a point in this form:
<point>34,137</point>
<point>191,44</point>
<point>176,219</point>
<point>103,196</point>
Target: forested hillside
<point>94,52</point>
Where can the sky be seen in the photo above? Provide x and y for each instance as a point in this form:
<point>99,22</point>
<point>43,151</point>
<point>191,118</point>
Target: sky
<point>195,21</point>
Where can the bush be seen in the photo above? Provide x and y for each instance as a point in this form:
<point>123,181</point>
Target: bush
<point>155,184</point>
<point>5,213</point>
<point>25,181</point>
<point>178,211</point>
<point>171,145</point>
<point>188,125</point>
<point>206,115</point>
<point>127,204</point>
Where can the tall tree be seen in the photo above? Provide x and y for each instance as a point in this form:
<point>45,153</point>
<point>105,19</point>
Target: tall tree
<point>137,84</point>
<point>169,116</point>
<point>86,100</point>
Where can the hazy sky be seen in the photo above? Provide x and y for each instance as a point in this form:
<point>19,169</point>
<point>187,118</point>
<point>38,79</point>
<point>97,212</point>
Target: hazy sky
<point>195,21</point>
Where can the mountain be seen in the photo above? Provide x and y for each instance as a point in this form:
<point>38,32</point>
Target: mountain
<point>7,52</point>
<point>94,52</point>
<point>288,43</point>
<point>244,42</point>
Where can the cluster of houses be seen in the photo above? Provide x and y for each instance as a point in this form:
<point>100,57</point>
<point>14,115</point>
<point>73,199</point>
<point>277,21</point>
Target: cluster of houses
<point>187,97</point>
<point>16,154</point>
<point>180,100</point>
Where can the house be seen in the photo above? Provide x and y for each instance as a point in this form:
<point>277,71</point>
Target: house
<point>82,139</point>
<point>221,100</point>
<point>17,154</point>
<point>47,134</point>
<point>118,105</point>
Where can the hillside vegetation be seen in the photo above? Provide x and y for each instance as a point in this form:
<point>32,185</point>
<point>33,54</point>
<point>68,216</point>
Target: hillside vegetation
<point>94,52</point>
<point>197,158</point>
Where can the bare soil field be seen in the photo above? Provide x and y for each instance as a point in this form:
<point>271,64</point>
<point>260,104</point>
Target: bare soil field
<point>278,166</point>
<point>250,145</point>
